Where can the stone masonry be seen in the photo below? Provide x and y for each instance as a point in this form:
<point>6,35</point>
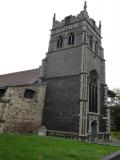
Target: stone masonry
<point>20,114</point>
<point>74,69</point>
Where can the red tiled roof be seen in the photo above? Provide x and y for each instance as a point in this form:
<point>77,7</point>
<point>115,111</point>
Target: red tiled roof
<point>19,78</point>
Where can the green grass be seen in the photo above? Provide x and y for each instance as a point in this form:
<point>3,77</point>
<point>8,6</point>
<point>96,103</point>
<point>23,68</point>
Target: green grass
<point>33,147</point>
<point>116,135</point>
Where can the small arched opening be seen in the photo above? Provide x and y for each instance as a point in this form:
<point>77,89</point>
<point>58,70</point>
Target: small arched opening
<point>91,42</point>
<point>96,47</point>
<point>59,42</point>
<point>71,39</point>
<point>93,131</point>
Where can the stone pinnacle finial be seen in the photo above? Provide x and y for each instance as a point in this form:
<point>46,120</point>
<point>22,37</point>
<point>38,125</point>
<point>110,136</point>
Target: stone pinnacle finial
<point>54,17</point>
<point>100,25</point>
<point>85,5</point>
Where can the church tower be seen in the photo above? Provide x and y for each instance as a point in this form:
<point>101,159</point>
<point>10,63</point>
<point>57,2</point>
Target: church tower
<point>74,69</point>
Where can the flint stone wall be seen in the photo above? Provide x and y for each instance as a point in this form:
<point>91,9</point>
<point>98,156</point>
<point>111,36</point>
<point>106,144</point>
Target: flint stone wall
<point>20,114</point>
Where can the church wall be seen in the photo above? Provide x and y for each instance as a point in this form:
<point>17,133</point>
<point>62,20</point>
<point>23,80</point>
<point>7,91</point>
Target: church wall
<point>94,62</point>
<point>61,111</point>
<point>63,63</point>
<point>92,31</point>
<point>20,114</point>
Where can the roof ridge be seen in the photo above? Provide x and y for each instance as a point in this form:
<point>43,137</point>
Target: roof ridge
<point>19,72</point>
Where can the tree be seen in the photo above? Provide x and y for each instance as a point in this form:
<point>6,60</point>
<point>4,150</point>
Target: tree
<point>114,104</point>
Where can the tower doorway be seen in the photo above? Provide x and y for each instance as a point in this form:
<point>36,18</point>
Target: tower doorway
<point>93,131</point>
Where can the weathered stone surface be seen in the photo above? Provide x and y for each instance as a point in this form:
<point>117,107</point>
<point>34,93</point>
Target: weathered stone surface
<point>22,114</point>
<point>61,111</point>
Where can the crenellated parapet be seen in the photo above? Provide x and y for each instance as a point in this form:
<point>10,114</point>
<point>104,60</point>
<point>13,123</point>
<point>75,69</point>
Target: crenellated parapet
<point>75,21</point>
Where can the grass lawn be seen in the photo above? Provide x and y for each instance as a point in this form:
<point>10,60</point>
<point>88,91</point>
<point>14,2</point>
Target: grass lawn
<point>116,135</point>
<point>33,147</point>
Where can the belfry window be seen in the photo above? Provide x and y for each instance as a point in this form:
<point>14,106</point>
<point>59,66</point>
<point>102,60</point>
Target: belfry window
<point>96,47</point>
<point>93,89</point>
<point>59,42</point>
<point>71,39</point>
<point>91,41</point>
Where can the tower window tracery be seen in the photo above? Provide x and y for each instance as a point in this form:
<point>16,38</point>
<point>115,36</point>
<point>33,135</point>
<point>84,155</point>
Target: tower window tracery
<point>93,89</point>
<point>59,42</point>
<point>91,41</point>
<point>96,47</point>
<point>71,39</point>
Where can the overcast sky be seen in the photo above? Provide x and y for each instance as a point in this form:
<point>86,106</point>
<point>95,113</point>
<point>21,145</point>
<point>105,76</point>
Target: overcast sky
<point>25,28</point>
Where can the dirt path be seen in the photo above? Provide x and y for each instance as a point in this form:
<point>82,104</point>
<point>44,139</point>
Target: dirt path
<point>113,141</point>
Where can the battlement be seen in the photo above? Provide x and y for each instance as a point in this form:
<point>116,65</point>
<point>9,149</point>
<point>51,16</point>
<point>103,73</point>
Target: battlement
<point>69,20</point>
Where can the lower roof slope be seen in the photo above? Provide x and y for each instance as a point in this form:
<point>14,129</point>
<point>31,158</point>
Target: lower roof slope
<point>20,78</point>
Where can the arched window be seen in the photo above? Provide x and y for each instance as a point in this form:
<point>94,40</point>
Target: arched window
<point>59,42</point>
<point>91,42</point>
<point>71,39</point>
<point>96,47</point>
<point>85,37</point>
<point>93,89</point>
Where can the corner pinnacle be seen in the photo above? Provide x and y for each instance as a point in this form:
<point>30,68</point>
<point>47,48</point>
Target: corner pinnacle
<point>85,5</point>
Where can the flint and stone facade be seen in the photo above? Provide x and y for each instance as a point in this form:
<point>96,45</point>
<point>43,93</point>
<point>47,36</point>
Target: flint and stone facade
<point>21,109</point>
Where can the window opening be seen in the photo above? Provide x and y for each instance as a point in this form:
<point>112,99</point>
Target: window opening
<point>29,93</point>
<point>71,39</point>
